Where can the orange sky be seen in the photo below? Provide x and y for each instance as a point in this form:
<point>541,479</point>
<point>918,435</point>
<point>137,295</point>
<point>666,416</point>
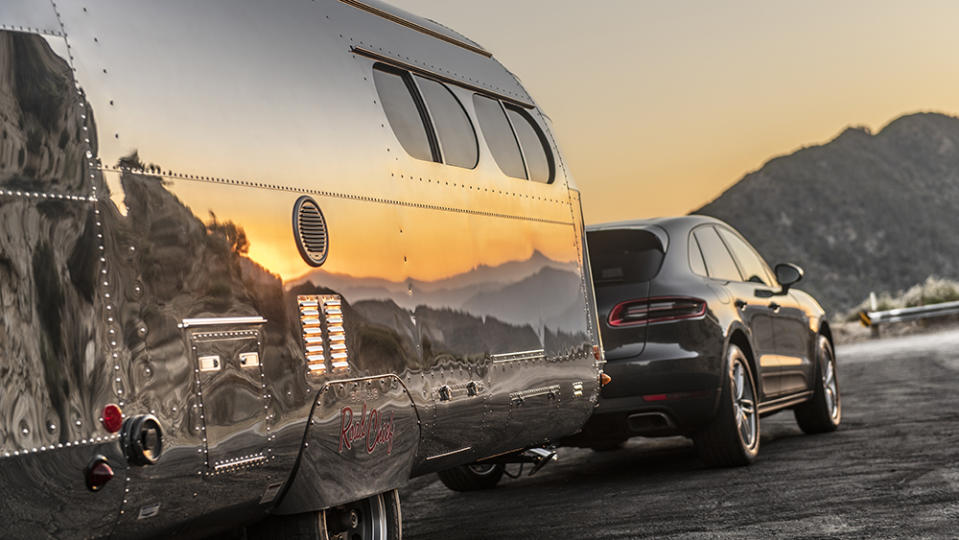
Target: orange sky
<point>281,130</point>
<point>659,106</point>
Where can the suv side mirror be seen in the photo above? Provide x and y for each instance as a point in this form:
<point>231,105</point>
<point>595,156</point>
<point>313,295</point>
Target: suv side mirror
<point>788,275</point>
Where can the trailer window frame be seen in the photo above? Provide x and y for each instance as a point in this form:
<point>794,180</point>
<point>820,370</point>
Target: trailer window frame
<point>503,161</point>
<point>428,121</point>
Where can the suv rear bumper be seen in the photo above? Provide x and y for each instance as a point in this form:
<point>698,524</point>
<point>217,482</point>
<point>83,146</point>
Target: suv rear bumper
<point>664,391</point>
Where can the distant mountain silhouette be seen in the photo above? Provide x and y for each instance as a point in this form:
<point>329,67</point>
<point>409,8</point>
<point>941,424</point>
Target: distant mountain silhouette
<point>485,308</point>
<point>864,212</point>
<point>451,292</point>
<point>559,305</point>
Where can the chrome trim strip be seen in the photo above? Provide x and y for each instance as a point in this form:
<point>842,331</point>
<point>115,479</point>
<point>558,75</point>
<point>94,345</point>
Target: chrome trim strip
<point>242,462</point>
<point>537,354</point>
<point>220,321</point>
<point>419,28</point>
<point>783,402</point>
<point>358,197</point>
<point>522,395</point>
<point>438,456</point>
<point>439,76</point>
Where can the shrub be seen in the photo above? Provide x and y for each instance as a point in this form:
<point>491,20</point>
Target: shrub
<point>932,291</point>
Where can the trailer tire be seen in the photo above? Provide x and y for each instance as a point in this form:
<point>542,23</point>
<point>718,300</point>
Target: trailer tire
<point>472,477</point>
<point>376,517</point>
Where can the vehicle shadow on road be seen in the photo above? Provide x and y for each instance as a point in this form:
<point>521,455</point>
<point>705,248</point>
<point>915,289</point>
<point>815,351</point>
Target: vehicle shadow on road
<point>641,459</point>
<point>651,458</point>
<point>584,482</point>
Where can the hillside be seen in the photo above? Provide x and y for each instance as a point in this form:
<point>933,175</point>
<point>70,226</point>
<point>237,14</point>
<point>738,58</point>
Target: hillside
<point>864,212</point>
<point>452,292</point>
<point>554,309</point>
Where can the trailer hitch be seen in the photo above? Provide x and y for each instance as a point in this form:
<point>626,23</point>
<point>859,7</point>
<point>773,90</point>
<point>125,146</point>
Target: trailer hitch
<point>538,457</point>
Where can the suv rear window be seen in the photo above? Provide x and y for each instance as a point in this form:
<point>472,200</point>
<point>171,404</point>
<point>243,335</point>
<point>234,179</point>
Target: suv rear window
<point>624,256</point>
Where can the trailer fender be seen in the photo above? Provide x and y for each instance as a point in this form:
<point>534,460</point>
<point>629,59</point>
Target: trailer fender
<point>361,440</point>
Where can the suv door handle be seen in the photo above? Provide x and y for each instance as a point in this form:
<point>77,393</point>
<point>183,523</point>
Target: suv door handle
<point>774,306</point>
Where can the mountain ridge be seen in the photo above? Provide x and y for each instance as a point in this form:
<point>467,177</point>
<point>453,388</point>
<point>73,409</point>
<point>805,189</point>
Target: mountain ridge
<point>863,212</point>
<point>454,289</point>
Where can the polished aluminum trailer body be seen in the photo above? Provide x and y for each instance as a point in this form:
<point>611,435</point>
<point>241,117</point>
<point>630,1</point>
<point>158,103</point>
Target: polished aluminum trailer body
<point>206,216</point>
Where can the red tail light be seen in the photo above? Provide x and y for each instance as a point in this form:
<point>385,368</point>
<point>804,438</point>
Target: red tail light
<point>112,418</point>
<point>652,310</point>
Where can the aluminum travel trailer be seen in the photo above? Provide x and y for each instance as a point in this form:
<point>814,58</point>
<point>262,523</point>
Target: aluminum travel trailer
<point>271,259</point>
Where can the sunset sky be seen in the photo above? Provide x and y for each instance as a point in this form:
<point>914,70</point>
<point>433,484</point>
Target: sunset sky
<point>660,106</point>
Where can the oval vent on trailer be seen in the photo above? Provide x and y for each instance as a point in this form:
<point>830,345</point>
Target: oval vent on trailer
<point>309,229</point>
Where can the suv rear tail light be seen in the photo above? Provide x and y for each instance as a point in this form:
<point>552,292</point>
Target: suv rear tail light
<point>652,310</point>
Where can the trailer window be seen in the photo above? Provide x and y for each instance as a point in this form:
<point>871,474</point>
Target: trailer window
<point>405,115</point>
<point>454,130</point>
<point>499,136</point>
<point>539,166</point>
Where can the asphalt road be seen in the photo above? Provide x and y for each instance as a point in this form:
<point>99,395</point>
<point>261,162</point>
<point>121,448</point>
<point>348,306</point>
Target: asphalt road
<point>891,470</point>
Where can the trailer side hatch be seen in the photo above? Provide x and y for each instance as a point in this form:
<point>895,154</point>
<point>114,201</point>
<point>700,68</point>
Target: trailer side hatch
<point>231,389</point>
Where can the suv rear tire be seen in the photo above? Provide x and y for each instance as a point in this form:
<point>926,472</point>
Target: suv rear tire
<point>472,477</point>
<point>823,412</point>
<point>732,439</point>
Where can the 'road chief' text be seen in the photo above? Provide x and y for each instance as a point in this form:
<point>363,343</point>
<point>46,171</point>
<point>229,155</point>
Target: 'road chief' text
<point>370,426</point>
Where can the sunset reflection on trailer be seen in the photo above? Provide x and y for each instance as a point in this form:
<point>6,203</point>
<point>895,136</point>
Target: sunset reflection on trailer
<point>271,260</point>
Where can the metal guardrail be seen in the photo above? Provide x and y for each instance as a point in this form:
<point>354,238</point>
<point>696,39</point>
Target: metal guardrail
<point>874,319</point>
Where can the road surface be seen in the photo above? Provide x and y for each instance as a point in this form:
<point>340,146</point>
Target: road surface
<point>892,470</point>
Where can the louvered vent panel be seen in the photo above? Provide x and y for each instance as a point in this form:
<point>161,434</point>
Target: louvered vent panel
<point>312,333</point>
<point>324,335</point>
<point>309,227</point>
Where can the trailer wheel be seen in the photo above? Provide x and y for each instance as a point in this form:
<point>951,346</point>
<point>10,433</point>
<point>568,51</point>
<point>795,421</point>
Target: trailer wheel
<point>472,477</point>
<point>373,518</point>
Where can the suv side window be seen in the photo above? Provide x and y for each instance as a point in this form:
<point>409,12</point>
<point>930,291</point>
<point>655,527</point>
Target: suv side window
<point>719,263</point>
<point>696,262</point>
<point>751,264</point>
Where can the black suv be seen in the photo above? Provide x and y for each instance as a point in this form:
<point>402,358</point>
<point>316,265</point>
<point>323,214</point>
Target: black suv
<point>702,339</point>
